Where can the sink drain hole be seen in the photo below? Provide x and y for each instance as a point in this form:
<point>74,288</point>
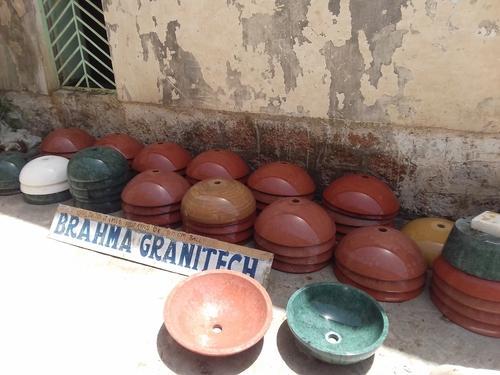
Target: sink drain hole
<point>217,328</point>
<point>333,337</point>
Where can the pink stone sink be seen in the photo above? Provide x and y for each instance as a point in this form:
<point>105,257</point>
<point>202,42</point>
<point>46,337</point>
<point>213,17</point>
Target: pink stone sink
<point>218,313</point>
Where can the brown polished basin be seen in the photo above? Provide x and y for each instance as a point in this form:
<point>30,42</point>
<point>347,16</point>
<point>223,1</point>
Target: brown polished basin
<point>362,194</point>
<point>161,220</point>
<point>150,211</point>
<point>377,294</point>
<point>460,319</point>
<point>430,234</point>
<point>381,253</point>
<point>402,286</point>
<point>66,141</point>
<point>468,284</point>
<point>155,188</point>
<point>218,313</point>
<point>222,229</point>
<point>168,157</point>
<point>282,179</point>
<point>128,146</point>
<point>294,252</point>
<point>217,164</point>
<point>295,222</point>
<point>465,299</point>
<point>218,201</point>
<point>297,268</point>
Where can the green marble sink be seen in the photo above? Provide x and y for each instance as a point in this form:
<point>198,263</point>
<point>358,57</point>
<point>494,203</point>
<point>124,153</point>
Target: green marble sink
<point>11,164</point>
<point>473,252</point>
<point>336,323</point>
<point>101,185</point>
<point>95,164</point>
<point>111,193</point>
<point>47,198</point>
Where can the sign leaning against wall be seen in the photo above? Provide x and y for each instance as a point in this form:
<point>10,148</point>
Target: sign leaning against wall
<point>163,248</point>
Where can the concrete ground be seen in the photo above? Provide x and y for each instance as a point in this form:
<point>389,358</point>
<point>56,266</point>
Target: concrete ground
<point>68,310</point>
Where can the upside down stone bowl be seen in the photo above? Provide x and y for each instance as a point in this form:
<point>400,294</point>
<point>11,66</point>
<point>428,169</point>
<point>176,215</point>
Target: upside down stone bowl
<point>473,252</point>
<point>217,201</point>
<point>336,323</point>
<point>168,157</point>
<point>381,253</point>
<point>96,164</point>
<point>430,234</point>
<point>217,163</point>
<point>66,140</point>
<point>155,188</point>
<point>283,179</point>
<point>128,146</point>
<point>218,313</point>
<point>362,194</point>
<point>11,164</point>
<point>295,222</point>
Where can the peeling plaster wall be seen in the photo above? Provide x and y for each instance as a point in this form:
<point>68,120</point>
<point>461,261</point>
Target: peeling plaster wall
<point>23,59</point>
<point>409,62</point>
<point>433,171</point>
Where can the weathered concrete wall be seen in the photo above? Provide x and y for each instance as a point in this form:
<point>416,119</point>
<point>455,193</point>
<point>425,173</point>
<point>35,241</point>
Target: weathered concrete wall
<point>411,62</point>
<point>434,171</point>
<point>24,59</point>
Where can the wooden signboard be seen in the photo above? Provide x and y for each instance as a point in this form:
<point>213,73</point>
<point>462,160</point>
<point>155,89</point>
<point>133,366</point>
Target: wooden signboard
<point>164,248</point>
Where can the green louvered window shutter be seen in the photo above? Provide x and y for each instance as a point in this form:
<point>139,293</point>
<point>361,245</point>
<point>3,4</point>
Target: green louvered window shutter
<point>79,42</point>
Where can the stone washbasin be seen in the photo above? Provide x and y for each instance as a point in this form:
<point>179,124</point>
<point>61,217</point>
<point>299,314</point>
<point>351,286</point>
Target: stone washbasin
<point>336,323</point>
<point>218,313</point>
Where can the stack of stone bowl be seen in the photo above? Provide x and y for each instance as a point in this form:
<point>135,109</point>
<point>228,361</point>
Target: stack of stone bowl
<point>128,146</point>
<point>299,232</point>
<point>11,164</point>
<point>66,142</point>
<point>154,197</point>
<point>168,157</point>
<point>97,176</point>
<point>278,180</point>
<point>466,279</point>
<point>383,262</point>
<point>430,234</point>
<point>359,200</point>
<point>217,164</point>
<point>219,208</point>
<point>44,180</point>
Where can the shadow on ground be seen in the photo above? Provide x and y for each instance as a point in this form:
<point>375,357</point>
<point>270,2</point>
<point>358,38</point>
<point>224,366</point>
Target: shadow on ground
<point>302,363</point>
<point>182,361</point>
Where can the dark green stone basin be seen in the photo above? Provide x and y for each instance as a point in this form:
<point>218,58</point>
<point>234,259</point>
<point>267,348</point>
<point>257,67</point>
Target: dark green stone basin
<point>336,323</point>
<point>473,252</point>
<point>100,185</point>
<point>95,164</point>
<point>11,164</point>
<point>112,193</point>
<point>4,192</point>
<point>47,198</point>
